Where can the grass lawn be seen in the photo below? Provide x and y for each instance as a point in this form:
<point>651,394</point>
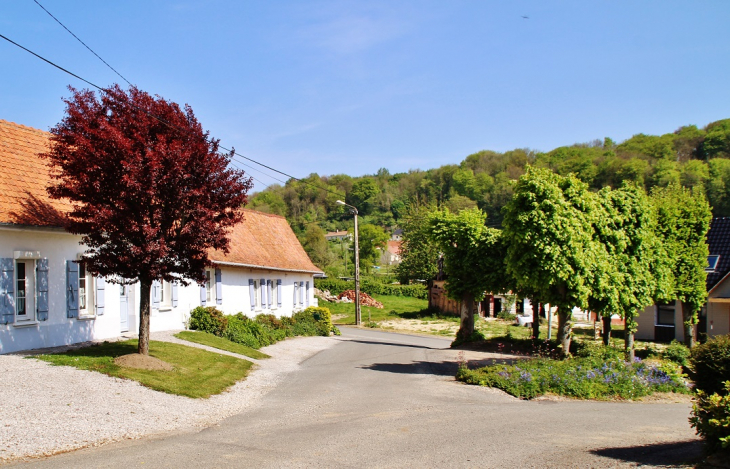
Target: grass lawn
<point>197,373</point>
<point>394,307</point>
<point>211,340</point>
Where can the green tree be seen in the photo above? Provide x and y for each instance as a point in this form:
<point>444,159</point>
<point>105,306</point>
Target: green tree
<point>269,201</point>
<point>717,140</point>
<point>718,186</point>
<point>638,271</point>
<point>551,250</point>
<point>371,239</point>
<point>683,219</point>
<point>363,195</point>
<point>418,252</point>
<point>315,244</point>
<point>474,262</point>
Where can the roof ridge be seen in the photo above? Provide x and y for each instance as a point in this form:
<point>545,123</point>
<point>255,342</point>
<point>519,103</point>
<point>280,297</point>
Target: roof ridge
<point>25,127</point>
<point>273,215</point>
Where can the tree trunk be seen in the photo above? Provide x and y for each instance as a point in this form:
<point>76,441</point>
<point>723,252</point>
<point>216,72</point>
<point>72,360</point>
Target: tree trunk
<point>467,317</point>
<point>630,345</point>
<point>606,330</point>
<point>144,317</point>
<point>689,325</point>
<point>535,319</point>
<point>564,329</point>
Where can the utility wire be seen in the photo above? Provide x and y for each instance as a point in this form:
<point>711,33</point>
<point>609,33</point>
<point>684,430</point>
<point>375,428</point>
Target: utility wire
<point>163,121</point>
<point>82,42</point>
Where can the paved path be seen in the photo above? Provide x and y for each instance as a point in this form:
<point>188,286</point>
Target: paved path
<point>388,400</point>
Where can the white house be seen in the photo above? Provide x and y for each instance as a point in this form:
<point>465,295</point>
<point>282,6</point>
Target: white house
<point>47,299</point>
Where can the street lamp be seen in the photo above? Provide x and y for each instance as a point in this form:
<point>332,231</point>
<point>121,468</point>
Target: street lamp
<point>357,268</point>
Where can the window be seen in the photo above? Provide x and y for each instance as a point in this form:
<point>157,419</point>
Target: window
<point>274,295</point>
<point>256,295</point>
<point>208,287</point>
<point>25,290</point>
<point>262,287</point>
<point>166,295</point>
<point>86,292</point>
<point>665,314</point>
<point>712,263</point>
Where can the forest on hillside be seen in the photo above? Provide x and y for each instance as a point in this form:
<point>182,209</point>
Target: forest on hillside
<point>690,156</point>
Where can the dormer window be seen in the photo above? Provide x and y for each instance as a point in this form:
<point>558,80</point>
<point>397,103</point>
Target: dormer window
<point>712,263</point>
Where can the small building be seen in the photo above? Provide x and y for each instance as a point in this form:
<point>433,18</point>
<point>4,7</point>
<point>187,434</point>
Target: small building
<point>337,236</point>
<point>47,298</point>
<point>391,253</point>
<point>397,235</point>
<point>664,322</point>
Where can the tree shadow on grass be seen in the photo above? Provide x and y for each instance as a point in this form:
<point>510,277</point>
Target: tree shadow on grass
<point>661,454</point>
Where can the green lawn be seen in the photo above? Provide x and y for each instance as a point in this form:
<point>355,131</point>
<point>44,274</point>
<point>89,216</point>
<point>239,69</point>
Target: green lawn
<point>394,307</point>
<point>211,340</point>
<point>197,373</point>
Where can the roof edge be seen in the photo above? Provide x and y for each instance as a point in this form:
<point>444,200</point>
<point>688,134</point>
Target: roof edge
<point>266,267</point>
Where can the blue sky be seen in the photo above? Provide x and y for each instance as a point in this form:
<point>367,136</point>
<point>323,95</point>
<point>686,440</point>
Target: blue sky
<point>350,87</point>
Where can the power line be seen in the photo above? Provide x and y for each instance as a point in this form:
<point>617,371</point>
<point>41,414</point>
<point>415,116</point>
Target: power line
<point>163,121</point>
<point>82,42</point>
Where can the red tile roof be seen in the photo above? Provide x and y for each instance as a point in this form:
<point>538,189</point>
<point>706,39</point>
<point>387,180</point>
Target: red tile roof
<point>24,178</point>
<point>394,247</point>
<point>262,240</point>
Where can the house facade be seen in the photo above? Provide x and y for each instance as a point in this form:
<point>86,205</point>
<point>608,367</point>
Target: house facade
<point>47,298</point>
<point>664,322</point>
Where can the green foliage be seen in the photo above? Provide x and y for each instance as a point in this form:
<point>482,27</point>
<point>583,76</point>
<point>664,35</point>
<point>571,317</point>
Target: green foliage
<point>206,338</point>
<point>677,353</point>
<point>208,319</point>
<point>371,239</point>
<point>710,365</point>
<point>475,336</point>
<point>243,330</point>
<point>419,253</point>
<point>588,377</point>
<point>506,315</point>
<point>711,418</point>
<point>337,286</point>
<point>315,244</point>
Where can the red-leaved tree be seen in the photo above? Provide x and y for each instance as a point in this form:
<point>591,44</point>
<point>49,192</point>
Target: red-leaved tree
<point>151,194</point>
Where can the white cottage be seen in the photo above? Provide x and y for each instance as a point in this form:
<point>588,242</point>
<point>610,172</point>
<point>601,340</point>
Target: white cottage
<point>47,299</point>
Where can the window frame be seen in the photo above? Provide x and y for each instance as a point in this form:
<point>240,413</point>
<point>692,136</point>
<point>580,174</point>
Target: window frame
<point>89,293</point>
<point>165,295</point>
<point>31,314</point>
<point>665,307</point>
<point>209,287</point>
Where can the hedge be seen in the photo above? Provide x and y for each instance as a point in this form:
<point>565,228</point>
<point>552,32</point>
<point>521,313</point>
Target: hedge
<point>337,286</point>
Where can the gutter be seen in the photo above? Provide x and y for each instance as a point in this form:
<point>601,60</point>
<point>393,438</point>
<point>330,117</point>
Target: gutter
<point>48,229</point>
<point>265,267</point>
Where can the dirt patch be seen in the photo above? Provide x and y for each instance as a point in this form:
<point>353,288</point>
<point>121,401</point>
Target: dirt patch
<point>417,325</point>
<point>142,362</point>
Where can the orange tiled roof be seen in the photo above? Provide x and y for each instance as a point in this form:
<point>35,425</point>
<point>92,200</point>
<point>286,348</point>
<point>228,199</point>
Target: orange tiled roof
<point>267,241</point>
<point>262,240</point>
<point>24,177</point>
<point>394,247</point>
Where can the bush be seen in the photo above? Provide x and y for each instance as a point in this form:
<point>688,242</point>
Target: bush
<point>711,418</point>
<point>208,319</point>
<point>710,365</point>
<point>243,330</point>
<point>372,287</point>
<point>677,352</point>
<point>475,336</point>
<point>506,315</point>
<point>313,321</point>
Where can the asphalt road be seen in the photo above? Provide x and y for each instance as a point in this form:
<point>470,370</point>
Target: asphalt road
<point>379,399</point>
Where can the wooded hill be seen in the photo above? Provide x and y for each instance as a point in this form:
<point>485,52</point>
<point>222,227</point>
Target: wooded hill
<point>690,156</point>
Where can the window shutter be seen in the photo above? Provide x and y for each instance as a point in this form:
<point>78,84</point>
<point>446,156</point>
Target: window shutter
<point>100,298</point>
<point>42,278</point>
<point>156,294</point>
<point>252,293</point>
<point>296,285</point>
<point>173,289</point>
<point>262,287</point>
<point>72,289</point>
<point>7,290</point>
<point>268,288</point>
<point>301,293</point>
<point>307,295</point>
<point>278,293</point>
<point>218,287</point>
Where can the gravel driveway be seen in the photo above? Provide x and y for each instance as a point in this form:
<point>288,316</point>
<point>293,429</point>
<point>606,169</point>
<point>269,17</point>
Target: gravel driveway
<point>49,409</point>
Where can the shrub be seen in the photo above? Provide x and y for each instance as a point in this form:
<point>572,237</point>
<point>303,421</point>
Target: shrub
<point>506,315</point>
<point>711,418</point>
<point>243,330</point>
<point>475,336</point>
<point>208,319</point>
<point>313,321</point>
<point>372,287</point>
<point>710,365</point>
<point>676,352</point>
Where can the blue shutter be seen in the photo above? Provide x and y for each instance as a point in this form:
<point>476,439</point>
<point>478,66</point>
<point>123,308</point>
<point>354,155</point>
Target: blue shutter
<point>301,293</point>
<point>156,294</point>
<point>7,291</point>
<point>278,292</point>
<point>173,289</point>
<point>218,287</point>
<point>307,296</point>
<point>72,289</point>
<point>42,278</point>
<point>252,293</point>
<point>100,297</point>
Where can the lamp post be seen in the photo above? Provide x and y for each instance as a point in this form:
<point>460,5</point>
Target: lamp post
<point>357,267</point>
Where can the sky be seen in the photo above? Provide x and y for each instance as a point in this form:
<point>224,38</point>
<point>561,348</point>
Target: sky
<point>350,87</point>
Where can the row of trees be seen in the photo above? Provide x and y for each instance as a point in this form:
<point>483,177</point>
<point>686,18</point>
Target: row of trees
<point>615,251</point>
<point>692,157</point>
